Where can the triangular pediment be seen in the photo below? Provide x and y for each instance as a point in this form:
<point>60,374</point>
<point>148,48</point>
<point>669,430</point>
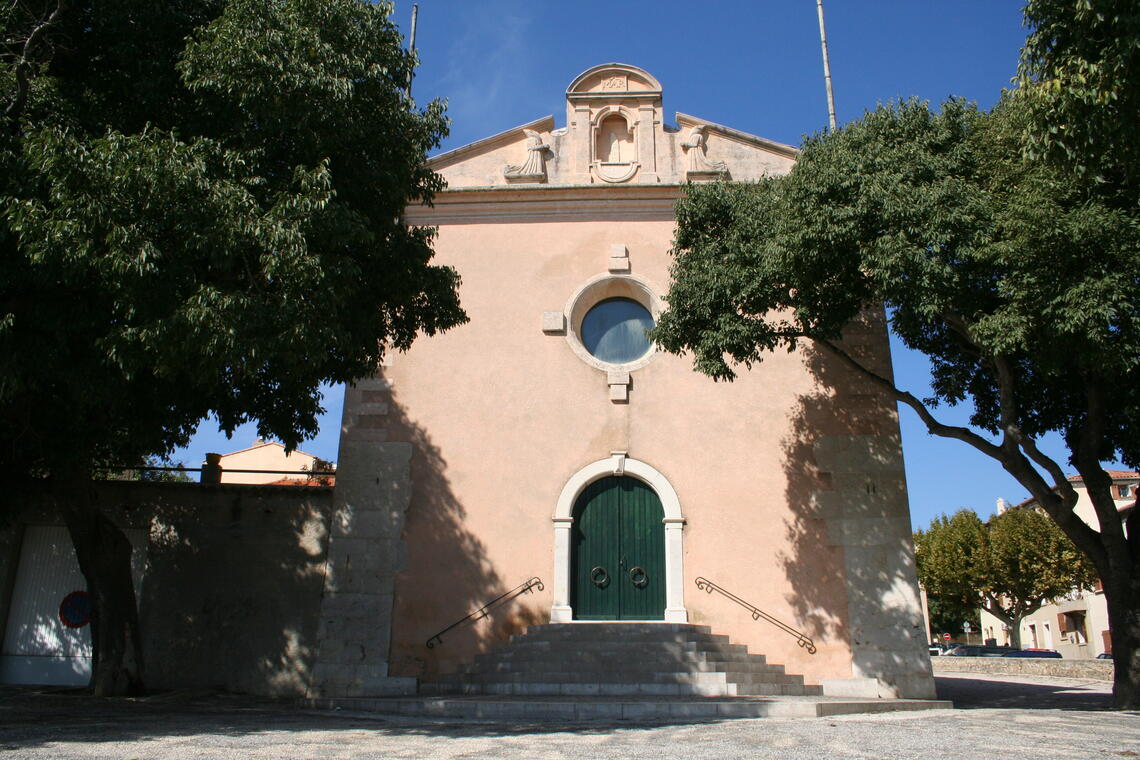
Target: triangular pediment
<point>614,135</point>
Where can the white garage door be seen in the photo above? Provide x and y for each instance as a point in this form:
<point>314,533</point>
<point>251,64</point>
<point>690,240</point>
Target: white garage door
<point>39,648</point>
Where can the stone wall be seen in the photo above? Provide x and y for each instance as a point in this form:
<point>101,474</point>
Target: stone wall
<point>1094,670</point>
<point>365,552</point>
<point>231,594</point>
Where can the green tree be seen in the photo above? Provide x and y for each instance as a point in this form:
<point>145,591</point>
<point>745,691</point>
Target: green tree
<point>153,469</point>
<point>1012,565</point>
<point>200,214</point>
<point>1016,278</point>
<point>1080,74</point>
<point>948,617</point>
<point>948,559</point>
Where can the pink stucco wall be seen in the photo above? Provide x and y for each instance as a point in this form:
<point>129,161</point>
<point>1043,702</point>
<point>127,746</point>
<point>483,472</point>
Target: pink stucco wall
<point>503,415</point>
<point>790,479</point>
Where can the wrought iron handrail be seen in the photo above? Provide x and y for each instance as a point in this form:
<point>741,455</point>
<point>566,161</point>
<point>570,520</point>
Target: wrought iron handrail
<point>485,610</point>
<point>704,584</point>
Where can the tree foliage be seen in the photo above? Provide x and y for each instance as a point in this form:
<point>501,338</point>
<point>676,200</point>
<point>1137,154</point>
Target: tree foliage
<point>200,214</point>
<point>1016,277</point>
<point>1012,564</point>
<point>1080,73</point>
<point>948,558</point>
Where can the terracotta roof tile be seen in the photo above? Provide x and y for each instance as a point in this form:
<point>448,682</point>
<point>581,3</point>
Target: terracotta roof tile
<point>331,481</point>
<point>1114,474</point>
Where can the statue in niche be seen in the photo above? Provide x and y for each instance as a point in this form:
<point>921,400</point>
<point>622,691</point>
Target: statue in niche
<point>534,168</point>
<point>694,145</point>
<point>615,143</point>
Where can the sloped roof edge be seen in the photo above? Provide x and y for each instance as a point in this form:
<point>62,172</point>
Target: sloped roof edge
<point>685,120</point>
<point>514,133</point>
<point>263,444</point>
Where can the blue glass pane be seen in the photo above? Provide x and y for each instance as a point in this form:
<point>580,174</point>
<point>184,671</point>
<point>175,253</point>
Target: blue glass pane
<point>614,330</point>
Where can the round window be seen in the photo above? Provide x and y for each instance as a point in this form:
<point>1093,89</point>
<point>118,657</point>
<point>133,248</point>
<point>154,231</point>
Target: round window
<point>614,330</point>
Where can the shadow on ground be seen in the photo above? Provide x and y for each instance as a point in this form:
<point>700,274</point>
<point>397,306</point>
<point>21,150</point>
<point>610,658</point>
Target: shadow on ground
<point>39,716</point>
<point>971,693</point>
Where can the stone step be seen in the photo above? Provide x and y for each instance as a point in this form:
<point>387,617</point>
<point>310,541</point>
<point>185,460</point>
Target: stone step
<point>603,689</point>
<point>614,633</point>
<point>585,689</point>
<point>546,689</point>
<point>778,690</point>
<point>619,659</point>
<point>618,677</point>
<point>632,709</point>
<point>605,659</point>
<point>587,628</point>
<point>565,664</point>
<point>619,648</point>
<point>623,676</point>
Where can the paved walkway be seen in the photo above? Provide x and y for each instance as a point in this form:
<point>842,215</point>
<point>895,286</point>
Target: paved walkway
<point>1028,717</point>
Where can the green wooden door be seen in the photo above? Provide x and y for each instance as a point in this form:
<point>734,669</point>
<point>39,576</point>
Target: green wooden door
<point>618,552</point>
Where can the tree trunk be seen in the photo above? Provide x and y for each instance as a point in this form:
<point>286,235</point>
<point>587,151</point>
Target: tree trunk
<point>1123,602</point>
<point>104,555</point>
<point>1015,633</point>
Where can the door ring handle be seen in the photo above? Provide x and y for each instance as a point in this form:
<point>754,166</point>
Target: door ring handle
<point>638,577</point>
<point>599,577</point>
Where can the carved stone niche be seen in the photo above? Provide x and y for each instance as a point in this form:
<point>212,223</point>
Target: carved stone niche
<point>614,120</point>
<point>614,155</point>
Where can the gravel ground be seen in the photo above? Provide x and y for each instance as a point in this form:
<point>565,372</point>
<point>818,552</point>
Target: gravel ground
<point>1029,717</point>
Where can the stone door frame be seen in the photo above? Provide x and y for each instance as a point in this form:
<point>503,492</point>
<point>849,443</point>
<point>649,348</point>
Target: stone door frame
<point>619,464</point>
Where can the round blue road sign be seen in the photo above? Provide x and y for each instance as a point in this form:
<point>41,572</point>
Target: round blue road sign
<point>75,609</point>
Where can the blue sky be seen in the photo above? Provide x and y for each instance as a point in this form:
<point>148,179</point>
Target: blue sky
<point>753,65</point>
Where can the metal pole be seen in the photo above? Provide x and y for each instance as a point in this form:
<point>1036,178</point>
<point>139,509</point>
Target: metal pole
<point>412,43</point>
<point>826,68</point>
<point>415,13</point>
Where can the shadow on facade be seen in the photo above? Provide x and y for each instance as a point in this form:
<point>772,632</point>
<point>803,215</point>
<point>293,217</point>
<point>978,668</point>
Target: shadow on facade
<point>228,579</point>
<point>850,562</point>
<point>446,572</point>
<point>231,595</point>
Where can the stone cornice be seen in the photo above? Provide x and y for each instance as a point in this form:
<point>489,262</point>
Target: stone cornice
<point>492,205</point>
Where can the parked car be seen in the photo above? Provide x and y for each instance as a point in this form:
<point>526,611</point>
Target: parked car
<point>1104,656</point>
<point>936,650</point>
<point>1033,653</point>
<point>971,650</point>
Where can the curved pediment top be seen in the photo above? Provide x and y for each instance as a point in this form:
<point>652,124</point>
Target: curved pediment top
<point>613,79</point>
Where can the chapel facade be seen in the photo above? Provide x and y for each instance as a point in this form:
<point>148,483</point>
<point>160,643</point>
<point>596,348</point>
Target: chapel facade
<point>549,439</point>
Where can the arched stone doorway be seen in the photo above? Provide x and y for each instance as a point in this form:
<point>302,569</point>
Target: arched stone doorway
<point>617,467</point>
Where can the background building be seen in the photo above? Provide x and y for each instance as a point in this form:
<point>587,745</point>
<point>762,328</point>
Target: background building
<point>268,462</point>
<point>1076,625</point>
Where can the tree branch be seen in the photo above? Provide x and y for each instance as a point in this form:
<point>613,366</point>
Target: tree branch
<point>1011,458</point>
<point>1060,481</point>
<point>996,609</point>
<point>1007,402</point>
<point>966,340</point>
<point>933,425</point>
<point>24,62</point>
<point>1089,444</point>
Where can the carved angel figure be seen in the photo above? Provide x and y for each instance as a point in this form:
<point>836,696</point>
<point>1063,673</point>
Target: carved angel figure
<point>534,168</point>
<point>694,145</point>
